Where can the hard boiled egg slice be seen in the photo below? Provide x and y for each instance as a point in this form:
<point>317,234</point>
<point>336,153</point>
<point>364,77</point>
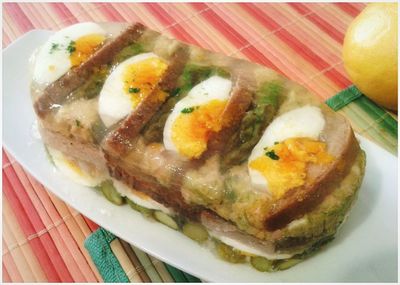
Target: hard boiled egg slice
<point>139,198</point>
<point>196,116</point>
<point>129,83</point>
<point>278,162</point>
<point>74,170</point>
<point>67,48</point>
<point>247,248</point>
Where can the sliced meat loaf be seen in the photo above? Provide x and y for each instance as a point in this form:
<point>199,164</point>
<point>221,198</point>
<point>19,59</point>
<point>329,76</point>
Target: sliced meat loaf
<point>120,141</point>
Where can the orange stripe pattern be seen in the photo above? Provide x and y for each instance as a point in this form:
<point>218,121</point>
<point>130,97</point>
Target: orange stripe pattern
<point>42,236</point>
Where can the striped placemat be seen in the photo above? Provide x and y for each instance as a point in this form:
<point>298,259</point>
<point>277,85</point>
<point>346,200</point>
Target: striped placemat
<point>43,238</point>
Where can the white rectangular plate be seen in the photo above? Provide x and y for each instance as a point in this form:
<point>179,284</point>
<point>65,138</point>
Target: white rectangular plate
<point>365,248</point>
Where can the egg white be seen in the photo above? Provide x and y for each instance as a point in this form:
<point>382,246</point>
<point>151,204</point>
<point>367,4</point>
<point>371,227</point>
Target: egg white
<point>247,248</point>
<point>46,58</point>
<point>82,178</point>
<point>149,203</point>
<point>213,88</point>
<point>307,121</point>
<point>114,103</point>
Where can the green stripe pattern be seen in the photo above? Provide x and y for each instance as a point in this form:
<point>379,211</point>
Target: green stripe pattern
<point>343,98</point>
<point>367,118</point>
<point>181,276</point>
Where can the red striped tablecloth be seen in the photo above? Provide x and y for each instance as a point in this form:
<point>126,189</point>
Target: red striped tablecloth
<point>42,236</point>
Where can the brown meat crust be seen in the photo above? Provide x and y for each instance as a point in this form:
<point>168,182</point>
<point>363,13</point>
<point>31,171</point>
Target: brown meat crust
<point>119,141</point>
<point>215,223</point>
<point>239,102</point>
<point>142,182</point>
<point>341,143</point>
<point>57,92</point>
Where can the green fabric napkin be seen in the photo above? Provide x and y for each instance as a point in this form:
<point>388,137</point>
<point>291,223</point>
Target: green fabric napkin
<point>98,246</point>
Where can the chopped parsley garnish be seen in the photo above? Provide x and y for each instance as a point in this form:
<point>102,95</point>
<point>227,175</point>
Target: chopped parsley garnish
<point>134,90</point>
<point>272,155</point>
<point>78,123</point>
<point>71,47</point>
<point>188,110</point>
<point>175,92</point>
<point>54,47</point>
<point>275,142</point>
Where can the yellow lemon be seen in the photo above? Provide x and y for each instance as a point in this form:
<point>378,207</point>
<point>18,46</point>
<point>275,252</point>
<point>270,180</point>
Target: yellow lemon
<point>370,53</point>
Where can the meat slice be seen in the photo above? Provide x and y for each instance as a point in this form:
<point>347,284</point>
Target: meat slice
<point>75,149</point>
<point>322,180</point>
<point>119,141</point>
<point>220,229</point>
<point>58,92</point>
<point>143,182</point>
<point>239,102</point>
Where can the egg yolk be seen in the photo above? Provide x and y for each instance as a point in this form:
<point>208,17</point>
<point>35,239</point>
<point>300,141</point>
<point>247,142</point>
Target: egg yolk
<point>81,49</point>
<point>193,127</point>
<point>284,164</point>
<point>141,195</point>
<point>141,78</point>
<point>74,166</point>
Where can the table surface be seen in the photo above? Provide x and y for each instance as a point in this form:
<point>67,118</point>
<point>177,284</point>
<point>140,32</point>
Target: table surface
<point>42,236</point>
